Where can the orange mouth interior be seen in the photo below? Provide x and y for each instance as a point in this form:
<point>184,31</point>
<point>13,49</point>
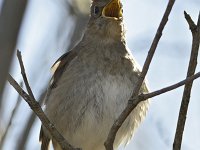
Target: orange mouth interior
<point>113,9</point>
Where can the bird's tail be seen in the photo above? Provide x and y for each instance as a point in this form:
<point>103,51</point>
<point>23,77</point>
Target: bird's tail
<point>44,139</point>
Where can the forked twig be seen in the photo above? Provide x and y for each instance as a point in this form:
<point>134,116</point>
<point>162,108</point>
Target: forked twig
<point>142,97</point>
<point>35,106</point>
<point>195,29</point>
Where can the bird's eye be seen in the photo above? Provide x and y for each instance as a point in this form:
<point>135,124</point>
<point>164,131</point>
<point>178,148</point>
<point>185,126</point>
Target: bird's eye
<point>96,10</point>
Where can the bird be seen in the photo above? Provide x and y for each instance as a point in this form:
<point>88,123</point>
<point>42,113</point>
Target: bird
<point>92,84</point>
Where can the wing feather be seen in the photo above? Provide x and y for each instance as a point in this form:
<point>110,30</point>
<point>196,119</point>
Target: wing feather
<point>57,68</point>
<point>60,65</point>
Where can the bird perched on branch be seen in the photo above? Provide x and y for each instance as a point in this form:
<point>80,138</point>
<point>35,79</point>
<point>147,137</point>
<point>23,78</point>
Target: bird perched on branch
<point>92,84</point>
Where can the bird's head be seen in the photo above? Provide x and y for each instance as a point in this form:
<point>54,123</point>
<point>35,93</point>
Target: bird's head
<point>110,9</point>
<point>106,19</point>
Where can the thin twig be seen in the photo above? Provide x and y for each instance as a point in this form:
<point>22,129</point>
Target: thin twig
<point>118,123</point>
<point>19,56</point>
<point>195,29</point>
<point>142,97</point>
<point>190,22</point>
<point>11,120</point>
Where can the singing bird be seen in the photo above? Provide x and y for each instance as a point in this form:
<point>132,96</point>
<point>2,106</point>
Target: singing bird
<point>92,84</point>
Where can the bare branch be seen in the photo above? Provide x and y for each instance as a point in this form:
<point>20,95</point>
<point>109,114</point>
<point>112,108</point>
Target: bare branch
<point>35,106</point>
<point>142,97</point>
<point>117,124</point>
<point>19,56</point>
<point>190,22</point>
<point>195,29</point>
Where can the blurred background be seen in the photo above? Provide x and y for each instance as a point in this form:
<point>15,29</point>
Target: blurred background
<point>45,29</point>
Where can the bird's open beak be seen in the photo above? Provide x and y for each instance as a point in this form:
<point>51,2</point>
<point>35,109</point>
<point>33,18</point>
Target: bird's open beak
<point>113,9</point>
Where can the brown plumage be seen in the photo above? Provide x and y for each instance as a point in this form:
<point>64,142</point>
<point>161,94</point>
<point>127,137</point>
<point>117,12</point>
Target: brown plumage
<point>92,84</point>
<point>45,140</point>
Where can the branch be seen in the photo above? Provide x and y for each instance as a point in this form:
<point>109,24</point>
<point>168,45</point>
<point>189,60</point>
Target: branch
<point>34,105</point>
<point>19,56</point>
<point>141,97</point>
<point>195,29</point>
<point>118,123</point>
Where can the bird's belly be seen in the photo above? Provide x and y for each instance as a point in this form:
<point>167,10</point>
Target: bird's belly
<point>88,107</point>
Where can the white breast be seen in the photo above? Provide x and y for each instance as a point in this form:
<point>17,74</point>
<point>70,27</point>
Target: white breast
<point>87,123</point>
<point>90,96</point>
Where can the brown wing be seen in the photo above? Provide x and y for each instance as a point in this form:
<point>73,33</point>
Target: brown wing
<point>58,68</point>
